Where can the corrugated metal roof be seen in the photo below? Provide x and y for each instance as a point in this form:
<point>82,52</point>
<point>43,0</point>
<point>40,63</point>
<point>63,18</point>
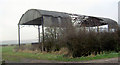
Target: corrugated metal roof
<point>53,13</point>
<point>34,17</point>
<point>111,23</point>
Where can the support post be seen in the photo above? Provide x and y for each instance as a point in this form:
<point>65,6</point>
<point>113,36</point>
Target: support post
<point>108,28</point>
<point>55,33</point>
<point>84,29</point>
<point>43,34</point>
<point>39,33</point>
<point>19,35</point>
<point>89,29</point>
<point>97,28</point>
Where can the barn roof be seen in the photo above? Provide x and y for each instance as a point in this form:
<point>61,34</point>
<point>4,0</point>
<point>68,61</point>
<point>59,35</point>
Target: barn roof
<point>34,16</point>
<point>111,23</point>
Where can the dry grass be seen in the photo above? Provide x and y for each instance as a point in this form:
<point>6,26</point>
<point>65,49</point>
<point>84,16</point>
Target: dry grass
<point>62,51</point>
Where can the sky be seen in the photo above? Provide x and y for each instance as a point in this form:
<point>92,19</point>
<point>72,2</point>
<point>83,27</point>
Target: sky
<point>12,10</point>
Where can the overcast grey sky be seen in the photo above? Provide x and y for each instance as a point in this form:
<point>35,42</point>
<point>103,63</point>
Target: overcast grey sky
<point>12,10</point>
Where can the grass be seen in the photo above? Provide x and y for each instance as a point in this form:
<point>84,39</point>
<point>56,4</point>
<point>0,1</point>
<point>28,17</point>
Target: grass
<point>10,55</point>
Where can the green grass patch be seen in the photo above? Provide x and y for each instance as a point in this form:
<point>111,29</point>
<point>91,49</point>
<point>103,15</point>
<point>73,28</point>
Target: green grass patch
<point>10,55</point>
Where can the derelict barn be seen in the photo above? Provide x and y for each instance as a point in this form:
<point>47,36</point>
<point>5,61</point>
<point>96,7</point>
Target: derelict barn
<point>58,19</point>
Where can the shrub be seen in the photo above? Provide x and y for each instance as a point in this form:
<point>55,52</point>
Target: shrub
<point>81,42</point>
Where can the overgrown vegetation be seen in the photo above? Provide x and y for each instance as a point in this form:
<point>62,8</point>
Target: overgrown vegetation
<point>81,42</point>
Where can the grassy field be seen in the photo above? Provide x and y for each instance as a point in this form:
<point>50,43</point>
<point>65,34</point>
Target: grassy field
<point>9,55</point>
